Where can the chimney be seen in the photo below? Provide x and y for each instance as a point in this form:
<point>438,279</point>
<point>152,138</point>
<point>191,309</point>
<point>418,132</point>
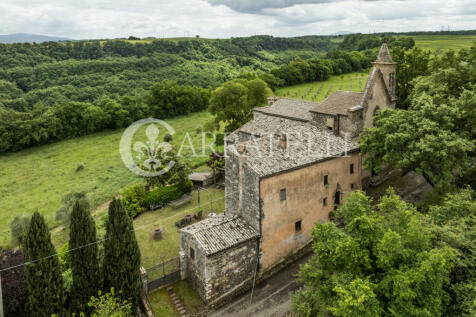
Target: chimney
<point>283,141</point>
<point>241,148</point>
<point>272,100</point>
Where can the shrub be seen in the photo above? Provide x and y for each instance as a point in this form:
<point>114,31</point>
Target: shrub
<point>168,137</point>
<point>110,305</point>
<point>80,167</point>
<point>64,257</point>
<point>198,129</point>
<point>186,186</point>
<point>18,228</point>
<point>63,214</point>
<point>220,139</point>
<point>133,199</point>
<point>163,195</point>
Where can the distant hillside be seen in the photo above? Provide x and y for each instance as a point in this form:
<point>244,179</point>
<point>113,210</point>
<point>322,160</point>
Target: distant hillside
<point>25,38</point>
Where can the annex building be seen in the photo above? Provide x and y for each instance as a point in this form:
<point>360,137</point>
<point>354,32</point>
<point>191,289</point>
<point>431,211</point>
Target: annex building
<point>285,170</point>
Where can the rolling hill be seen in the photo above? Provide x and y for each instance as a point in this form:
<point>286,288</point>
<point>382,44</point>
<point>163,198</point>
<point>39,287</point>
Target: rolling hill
<point>29,38</point>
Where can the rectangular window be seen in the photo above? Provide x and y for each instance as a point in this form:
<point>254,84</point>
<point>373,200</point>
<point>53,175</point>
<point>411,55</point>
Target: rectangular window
<point>297,225</point>
<point>326,179</point>
<point>352,186</point>
<point>282,194</point>
<point>324,202</point>
<point>192,253</point>
<point>352,168</point>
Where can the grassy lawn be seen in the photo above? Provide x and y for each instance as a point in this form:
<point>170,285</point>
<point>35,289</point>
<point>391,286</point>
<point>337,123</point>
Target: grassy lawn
<point>190,299</point>
<point>437,43</point>
<point>37,178</point>
<point>163,306</point>
<point>154,252</point>
<point>319,90</point>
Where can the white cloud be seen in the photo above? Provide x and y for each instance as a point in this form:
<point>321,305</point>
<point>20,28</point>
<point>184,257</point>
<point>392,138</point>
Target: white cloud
<point>211,18</point>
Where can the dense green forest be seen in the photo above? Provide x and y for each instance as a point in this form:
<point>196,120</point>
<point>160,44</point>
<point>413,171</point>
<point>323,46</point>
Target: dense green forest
<point>388,257</point>
<point>54,91</point>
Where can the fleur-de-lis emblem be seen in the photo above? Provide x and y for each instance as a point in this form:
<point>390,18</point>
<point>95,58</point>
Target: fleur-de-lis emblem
<point>146,158</point>
<point>150,152</point>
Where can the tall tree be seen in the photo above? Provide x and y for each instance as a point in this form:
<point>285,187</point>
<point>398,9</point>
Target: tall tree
<point>411,64</point>
<point>84,258</point>
<point>422,139</point>
<point>233,102</point>
<point>455,226</point>
<point>42,271</point>
<point>121,255</point>
<point>435,136</point>
<point>375,260</point>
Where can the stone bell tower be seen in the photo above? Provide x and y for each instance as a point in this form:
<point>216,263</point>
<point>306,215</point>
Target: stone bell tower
<point>388,68</point>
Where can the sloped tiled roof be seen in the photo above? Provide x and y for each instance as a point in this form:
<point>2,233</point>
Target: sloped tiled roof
<point>266,125</point>
<point>289,108</point>
<point>338,103</point>
<point>221,232</point>
<point>306,144</point>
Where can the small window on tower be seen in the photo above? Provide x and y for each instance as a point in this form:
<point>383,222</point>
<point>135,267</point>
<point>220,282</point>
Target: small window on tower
<point>297,225</point>
<point>282,194</point>
<point>326,179</point>
<point>192,253</point>
<point>352,186</point>
<point>324,202</point>
<point>352,168</point>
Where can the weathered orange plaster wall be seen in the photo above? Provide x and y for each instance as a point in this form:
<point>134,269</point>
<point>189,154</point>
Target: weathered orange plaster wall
<point>305,191</point>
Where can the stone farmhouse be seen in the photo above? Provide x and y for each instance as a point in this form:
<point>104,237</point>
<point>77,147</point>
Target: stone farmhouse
<point>285,170</point>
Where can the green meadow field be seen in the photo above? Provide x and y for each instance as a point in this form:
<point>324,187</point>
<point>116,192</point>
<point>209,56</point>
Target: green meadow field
<point>438,43</point>
<point>320,90</point>
<point>37,178</point>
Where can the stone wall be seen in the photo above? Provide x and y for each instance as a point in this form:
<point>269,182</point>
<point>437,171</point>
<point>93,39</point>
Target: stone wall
<point>227,269</point>
<point>377,100</point>
<point>241,189</point>
<point>352,124</point>
<point>320,120</point>
<point>305,193</point>
<point>214,275</point>
<point>388,70</point>
<point>193,268</point>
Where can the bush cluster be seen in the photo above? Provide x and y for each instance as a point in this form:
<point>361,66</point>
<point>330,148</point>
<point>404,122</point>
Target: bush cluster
<point>137,199</point>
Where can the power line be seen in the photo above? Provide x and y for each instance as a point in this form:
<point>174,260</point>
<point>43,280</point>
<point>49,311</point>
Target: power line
<point>90,244</point>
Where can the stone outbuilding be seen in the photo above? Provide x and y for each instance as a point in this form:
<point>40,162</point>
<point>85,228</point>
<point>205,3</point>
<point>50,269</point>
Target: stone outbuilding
<point>286,169</point>
<point>218,253</point>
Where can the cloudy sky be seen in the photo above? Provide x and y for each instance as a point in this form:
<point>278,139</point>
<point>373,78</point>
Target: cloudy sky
<point>86,19</point>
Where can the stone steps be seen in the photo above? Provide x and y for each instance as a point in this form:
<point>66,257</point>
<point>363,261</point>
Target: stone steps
<point>176,300</point>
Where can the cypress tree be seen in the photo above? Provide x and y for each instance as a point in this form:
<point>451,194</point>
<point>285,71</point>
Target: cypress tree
<point>43,276</point>
<point>84,258</point>
<point>121,255</point>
